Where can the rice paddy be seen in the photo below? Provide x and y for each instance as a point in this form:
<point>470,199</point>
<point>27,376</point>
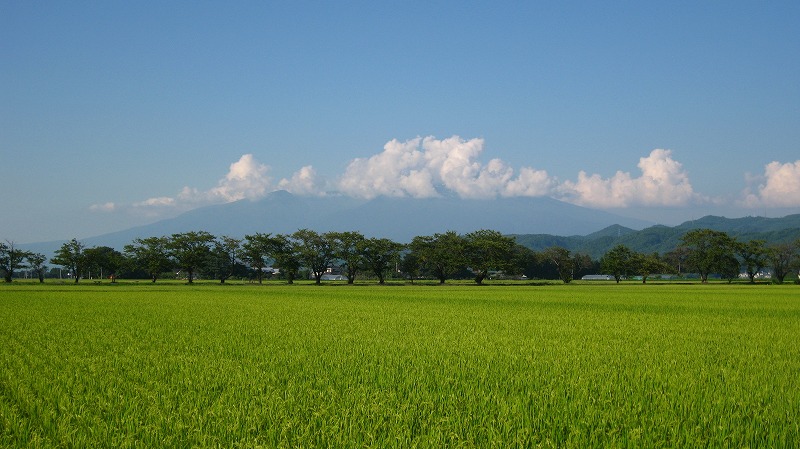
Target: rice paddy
<point>415,366</point>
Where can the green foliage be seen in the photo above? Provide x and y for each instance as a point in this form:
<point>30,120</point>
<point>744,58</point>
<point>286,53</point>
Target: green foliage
<point>173,365</point>
<point>191,250</point>
<point>348,249</point>
<point>709,251</point>
<point>315,251</point>
<point>618,262</point>
<point>150,254</point>
<point>440,255</point>
<point>784,258</point>
<point>71,257</point>
<point>486,250</point>
<point>663,239</point>
<point>11,258</point>
<point>256,248</point>
<point>379,256</point>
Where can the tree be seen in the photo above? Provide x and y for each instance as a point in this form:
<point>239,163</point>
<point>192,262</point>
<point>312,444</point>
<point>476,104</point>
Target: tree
<point>256,248</point>
<point>71,257</point>
<point>380,255</point>
<point>753,256</point>
<point>150,254</point>
<point>410,265</point>
<point>563,261</point>
<point>11,259</point>
<point>284,251</point>
<point>103,260</point>
<point>36,262</point>
<point>224,257</point>
<point>191,250</point>
<point>677,258</point>
<point>617,262</point>
<point>729,267</point>
<point>314,250</point>
<point>646,264</point>
<point>486,250</point>
<point>783,258</point>
<point>708,250</point>
<point>441,255</point>
<point>347,247</point>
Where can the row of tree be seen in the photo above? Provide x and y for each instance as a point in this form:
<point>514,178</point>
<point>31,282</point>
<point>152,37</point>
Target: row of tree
<point>442,256</point>
<point>706,252</point>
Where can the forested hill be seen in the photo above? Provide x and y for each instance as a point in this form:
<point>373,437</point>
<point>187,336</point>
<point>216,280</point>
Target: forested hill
<point>664,238</point>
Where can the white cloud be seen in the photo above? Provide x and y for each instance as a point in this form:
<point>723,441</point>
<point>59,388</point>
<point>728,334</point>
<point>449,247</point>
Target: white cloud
<point>778,187</point>
<point>663,183</point>
<point>246,179</point>
<point>424,167</point>
<point>429,167</point>
<point>105,207</point>
<point>304,182</point>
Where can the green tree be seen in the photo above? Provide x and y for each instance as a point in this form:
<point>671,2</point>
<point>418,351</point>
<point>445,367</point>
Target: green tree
<point>783,258</point>
<point>562,260</point>
<point>618,262</point>
<point>729,267</point>
<point>441,255</point>
<point>150,254</point>
<point>380,256</point>
<point>645,265</point>
<point>347,249</point>
<point>708,250</point>
<point>410,265</point>
<point>11,259</point>
<point>224,257</point>
<point>486,250</point>
<point>677,259</point>
<point>36,262</point>
<point>191,250</point>
<point>314,250</point>
<point>256,249</point>
<point>103,260</point>
<point>71,257</point>
<point>286,256</point>
<point>753,256</point>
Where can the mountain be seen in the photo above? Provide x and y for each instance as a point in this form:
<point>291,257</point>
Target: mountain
<point>661,239</point>
<point>399,219</point>
<point>535,222</point>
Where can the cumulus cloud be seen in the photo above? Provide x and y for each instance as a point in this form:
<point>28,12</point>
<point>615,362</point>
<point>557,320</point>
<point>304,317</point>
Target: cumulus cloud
<point>246,179</point>
<point>778,187</point>
<point>427,167</point>
<point>663,183</point>
<point>104,207</point>
<point>304,182</point>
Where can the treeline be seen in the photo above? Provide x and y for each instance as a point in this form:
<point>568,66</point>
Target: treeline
<point>477,255</point>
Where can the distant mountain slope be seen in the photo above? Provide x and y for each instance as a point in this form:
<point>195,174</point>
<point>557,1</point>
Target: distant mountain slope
<point>536,222</point>
<point>399,219</point>
<point>663,238</point>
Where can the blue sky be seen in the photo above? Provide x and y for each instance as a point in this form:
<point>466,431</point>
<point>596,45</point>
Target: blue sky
<point>114,114</point>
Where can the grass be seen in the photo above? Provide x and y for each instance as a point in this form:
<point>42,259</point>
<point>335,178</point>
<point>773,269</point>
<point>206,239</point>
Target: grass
<point>420,366</point>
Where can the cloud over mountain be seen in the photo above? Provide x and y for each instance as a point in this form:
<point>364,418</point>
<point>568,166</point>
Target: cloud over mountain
<point>663,183</point>
<point>427,167</point>
<point>779,186</point>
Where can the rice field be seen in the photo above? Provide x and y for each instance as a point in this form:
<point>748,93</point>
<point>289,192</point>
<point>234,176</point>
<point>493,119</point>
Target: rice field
<point>384,366</point>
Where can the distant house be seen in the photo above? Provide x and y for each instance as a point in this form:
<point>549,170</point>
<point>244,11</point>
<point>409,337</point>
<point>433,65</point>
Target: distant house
<point>333,277</point>
<point>598,277</point>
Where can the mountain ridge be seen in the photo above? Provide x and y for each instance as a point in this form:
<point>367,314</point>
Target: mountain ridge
<point>535,222</point>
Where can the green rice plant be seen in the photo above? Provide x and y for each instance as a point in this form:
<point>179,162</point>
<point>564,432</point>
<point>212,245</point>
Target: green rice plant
<point>417,366</point>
